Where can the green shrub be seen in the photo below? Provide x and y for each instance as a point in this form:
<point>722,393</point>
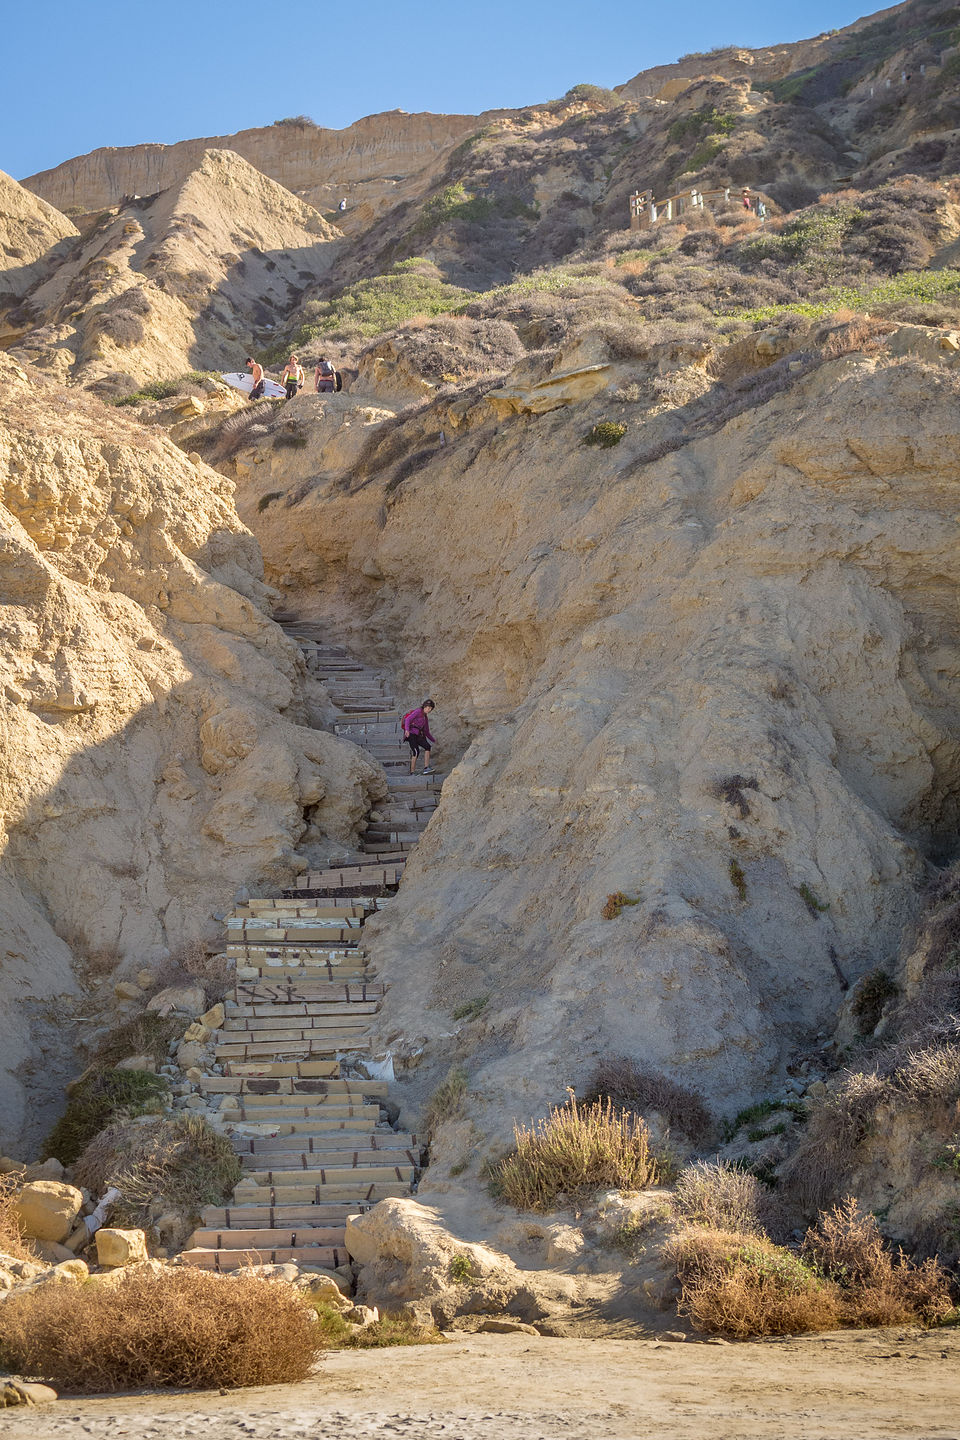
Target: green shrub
<point>471,1009</point>
<point>606,434</point>
<point>577,1150</point>
<point>872,993</point>
<point>461,1269</point>
<point>702,156</point>
<point>95,1100</point>
<point>737,878</point>
<point>590,95</point>
<point>370,307</point>
<point>157,390</point>
<point>708,118</point>
<point>617,902</point>
<point>446,1102</point>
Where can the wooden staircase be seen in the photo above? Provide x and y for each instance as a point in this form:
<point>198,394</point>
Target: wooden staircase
<point>313,1137</point>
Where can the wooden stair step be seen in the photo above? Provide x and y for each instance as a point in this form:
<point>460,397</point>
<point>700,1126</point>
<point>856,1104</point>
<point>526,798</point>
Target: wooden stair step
<point>374,1141</point>
<point>295,1086</point>
<point>359,1190</point>
<point>291,1237</point>
<point>223,1260</point>
<point>277,1119</point>
<point>289,1165</point>
<point>327,1212</point>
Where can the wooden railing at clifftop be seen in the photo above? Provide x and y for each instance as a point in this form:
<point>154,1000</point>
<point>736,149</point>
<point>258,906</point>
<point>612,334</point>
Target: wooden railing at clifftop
<point>645,211</point>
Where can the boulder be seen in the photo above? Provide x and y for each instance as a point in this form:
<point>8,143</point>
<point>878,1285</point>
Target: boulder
<point>213,1019</point>
<point>69,1272</point>
<point>500,1325</point>
<point>362,1315</point>
<point>568,388</point>
<point>137,1062</point>
<point>7,1281</point>
<point>189,1054</point>
<point>20,1269</point>
<point>24,1392</point>
<point>46,1209</point>
<point>120,1247</point>
<point>44,1170</point>
<point>186,998</point>
<point>127,990</point>
<point>52,1252</point>
<point>322,1288</point>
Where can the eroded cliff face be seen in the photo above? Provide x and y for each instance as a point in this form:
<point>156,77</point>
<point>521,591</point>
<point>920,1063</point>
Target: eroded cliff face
<point>178,283</point>
<point>371,162</point>
<point>34,237</point>
<point>156,753</point>
<point>722,682</point>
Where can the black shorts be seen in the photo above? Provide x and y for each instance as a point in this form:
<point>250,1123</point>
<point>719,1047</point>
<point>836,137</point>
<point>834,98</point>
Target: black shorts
<point>417,743</point>
<point>291,387</point>
<point>257,391</point>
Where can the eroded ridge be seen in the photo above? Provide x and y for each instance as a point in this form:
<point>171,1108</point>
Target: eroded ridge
<point>310,1127</point>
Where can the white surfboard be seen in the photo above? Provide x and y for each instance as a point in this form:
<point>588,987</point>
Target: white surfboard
<point>243,382</point>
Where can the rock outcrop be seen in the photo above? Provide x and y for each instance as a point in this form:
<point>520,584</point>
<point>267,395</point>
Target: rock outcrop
<point>155,750</point>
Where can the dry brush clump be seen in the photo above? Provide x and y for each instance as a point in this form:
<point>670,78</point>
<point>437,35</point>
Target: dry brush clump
<point>738,1283</point>
<point>181,1163</point>
<point>177,1327</point>
<point>876,1286</point>
<point>742,1285</point>
<point>11,1234</point>
<point>639,1088</point>
<point>578,1149</point>
<point>720,1196</point>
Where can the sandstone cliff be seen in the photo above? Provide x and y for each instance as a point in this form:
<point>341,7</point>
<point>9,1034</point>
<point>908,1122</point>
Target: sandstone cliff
<point>156,753</point>
<point>180,282</point>
<point>722,683</point>
<point>33,239</point>
<point>370,162</point>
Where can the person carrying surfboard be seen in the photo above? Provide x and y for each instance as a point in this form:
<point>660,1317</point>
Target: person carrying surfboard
<point>256,370</point>
<point>292,377</point>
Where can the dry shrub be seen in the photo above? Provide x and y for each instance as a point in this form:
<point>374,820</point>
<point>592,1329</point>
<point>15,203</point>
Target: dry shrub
<point>720,1196</point>
<point>640,1089</point>
<point>743,1285</point>
<point>193,962</point>
<point>877,1287</point>
<point>578,1149</point>
<point>183,1163</point>
<point>446,1102</point>
<point>180,1327</point>
<point>144,1034</point>
<point>11,1235</point>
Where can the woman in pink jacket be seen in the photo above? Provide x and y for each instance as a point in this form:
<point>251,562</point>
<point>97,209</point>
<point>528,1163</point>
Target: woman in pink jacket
<point>416,732</point>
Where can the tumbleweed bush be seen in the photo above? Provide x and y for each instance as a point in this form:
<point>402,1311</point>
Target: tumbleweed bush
<point>180,1327</point>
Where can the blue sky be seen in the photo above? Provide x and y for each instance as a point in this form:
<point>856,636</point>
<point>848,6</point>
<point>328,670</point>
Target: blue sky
<point>102,72</point>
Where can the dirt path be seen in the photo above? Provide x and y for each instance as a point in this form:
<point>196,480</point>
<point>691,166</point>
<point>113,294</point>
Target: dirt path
<point>865,1386</point>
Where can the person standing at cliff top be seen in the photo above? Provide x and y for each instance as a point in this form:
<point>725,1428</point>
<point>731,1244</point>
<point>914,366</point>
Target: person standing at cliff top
<point>292,377</point>
<point>257,372</point>
<point>416,732</point>
<point>325,376</point>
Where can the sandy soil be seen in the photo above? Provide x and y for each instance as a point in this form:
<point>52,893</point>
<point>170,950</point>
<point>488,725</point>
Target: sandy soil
<point>864,1386</point>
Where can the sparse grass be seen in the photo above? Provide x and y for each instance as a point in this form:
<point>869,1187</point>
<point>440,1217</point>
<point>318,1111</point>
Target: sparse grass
<point>472,1009</point>
<point>815,906</point>
<point>641,1089</point>
<point>446,1102</point>
<point>871,995</point>
<point>180,1328</point>
<point>737,878</point>
<point>721,1196</point>
<point>395,1330</point>
<point>182,1162</point>
<point>577,1150</point>
<point>606,434</point>
<point>97,1099</point>
<point>145,1034</point>
<point>920,285</point>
